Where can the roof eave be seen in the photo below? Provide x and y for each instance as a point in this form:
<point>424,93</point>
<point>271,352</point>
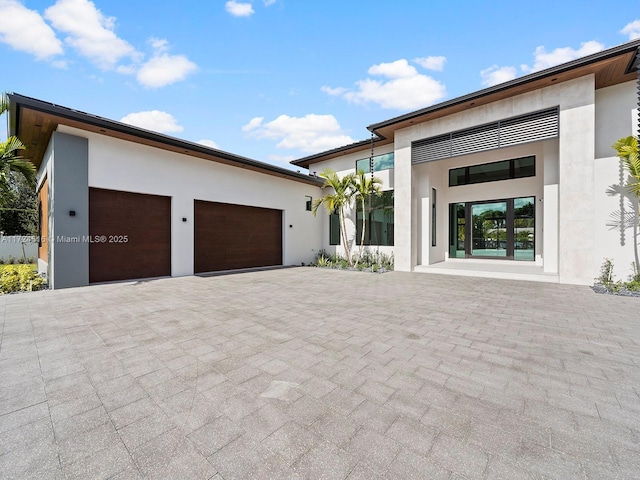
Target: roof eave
<point>19,101</point>
<point>596,57</point>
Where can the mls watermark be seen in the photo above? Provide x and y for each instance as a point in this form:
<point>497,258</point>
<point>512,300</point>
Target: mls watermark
<point>92,239</point>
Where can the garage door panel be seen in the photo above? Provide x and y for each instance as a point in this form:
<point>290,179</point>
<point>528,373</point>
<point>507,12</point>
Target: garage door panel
<point>229,237</point>
<point>146,222</point>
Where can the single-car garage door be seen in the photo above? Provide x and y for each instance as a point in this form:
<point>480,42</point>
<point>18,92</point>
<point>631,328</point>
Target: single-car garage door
<point>130,235</point>
<point>229,237</point>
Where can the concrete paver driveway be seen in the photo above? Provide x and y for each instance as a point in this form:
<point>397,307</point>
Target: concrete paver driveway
<point>308,373</point>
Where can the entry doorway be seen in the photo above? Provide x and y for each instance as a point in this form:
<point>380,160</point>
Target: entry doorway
<point>493,229</point>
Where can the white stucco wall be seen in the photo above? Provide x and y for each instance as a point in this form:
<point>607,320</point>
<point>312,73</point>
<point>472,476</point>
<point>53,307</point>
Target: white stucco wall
<point>615,117</point>
<point>120,165</point>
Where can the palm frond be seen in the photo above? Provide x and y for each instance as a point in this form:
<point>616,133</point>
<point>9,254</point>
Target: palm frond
<point>4,103</point>
<point>10,148</point>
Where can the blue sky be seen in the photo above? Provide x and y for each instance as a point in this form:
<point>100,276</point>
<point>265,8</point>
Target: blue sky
<point>276,80</point>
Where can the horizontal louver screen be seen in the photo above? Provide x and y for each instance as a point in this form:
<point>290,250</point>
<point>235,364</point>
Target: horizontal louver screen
<point>475,139</point>
<point>536,126</point>
<point>431,149</point>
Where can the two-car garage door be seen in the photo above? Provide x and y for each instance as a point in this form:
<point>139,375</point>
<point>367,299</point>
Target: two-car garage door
<point>131,236</point>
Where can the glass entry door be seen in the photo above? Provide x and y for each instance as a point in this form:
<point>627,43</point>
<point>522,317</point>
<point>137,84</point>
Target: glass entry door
<point>493,229</point>
<point>489,225</point>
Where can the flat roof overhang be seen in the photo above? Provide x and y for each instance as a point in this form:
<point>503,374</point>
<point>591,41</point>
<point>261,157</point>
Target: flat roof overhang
<point>610,67</point>
<point>34,121</point>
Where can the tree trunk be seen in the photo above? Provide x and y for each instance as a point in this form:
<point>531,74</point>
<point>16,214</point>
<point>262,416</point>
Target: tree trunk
<point>345,240</point>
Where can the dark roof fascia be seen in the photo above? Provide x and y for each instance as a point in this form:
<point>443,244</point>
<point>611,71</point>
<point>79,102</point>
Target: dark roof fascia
<point>356,145</point>
<point>596,57</point>
<point>105,123</point>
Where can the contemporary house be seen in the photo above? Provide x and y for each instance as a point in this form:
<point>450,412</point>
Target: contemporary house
<point>518,180</point>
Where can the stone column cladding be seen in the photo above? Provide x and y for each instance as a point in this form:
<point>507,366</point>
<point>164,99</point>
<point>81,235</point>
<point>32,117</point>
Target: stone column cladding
<point>576,182</point>
<point>404,228</point>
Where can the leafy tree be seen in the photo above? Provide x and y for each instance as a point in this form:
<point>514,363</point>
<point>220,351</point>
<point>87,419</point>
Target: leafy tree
<point>343,192</point>
<point>11,161</point>
<point>19,215</point>
<point>627,149</point>
<point>365,187</point>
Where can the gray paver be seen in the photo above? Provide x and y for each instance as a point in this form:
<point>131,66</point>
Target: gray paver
<point>178,378</point>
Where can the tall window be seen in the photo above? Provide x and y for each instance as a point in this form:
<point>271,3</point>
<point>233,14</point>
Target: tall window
<point>433,218</point>
<point>334,229</point>
<point>380,217</point>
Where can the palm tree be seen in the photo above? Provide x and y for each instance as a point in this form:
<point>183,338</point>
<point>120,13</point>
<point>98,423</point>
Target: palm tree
<point>11,161</point>
<point>627,149</point>
<point>343,191</point>
<point>365,187</point>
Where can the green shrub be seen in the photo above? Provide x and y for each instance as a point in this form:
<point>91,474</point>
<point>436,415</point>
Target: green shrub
<point>20,278</point>
<point>11,260</point>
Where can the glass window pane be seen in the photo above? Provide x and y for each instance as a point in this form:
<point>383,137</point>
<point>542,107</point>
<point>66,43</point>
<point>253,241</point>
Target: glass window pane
<point>489,172</point>
<point>524,167</point>
<point>334,229</point>
<point>363,165</point>
<point>457,231</point>
<point>379,220</point>
<point>524,228</point>
<point>380,162</point>
<point>489,229</point>
<point>457,176</point>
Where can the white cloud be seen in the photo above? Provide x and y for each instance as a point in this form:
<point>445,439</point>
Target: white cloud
<point>431,63</point>
<point>495,75</point>
<point>209,143</point>
<point>239,9</point>
<point>632,30</point>
<point>333,91</point>
<point>155,120</point>
<point>398,69</point>
<point>25,30</point>
<point>544,59</point>
<point>90,32</point>
<point>311,133</point>
<point>403,89</point>
<point>253,124</point>
<point>163,69</point>
<point>269,2</point>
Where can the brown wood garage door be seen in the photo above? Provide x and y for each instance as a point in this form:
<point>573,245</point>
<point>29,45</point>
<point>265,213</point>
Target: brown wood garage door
<point>229,237</point>
<point>137,230</point>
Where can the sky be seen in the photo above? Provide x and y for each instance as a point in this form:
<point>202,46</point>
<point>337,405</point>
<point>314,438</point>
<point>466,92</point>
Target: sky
<point>277,80</point>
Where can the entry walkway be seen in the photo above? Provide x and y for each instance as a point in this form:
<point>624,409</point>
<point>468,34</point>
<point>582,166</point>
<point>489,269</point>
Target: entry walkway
<point>503,269</point>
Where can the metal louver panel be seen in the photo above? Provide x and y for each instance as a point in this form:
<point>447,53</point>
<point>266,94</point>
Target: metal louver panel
<point>532,127</point>
<point>431,149</point>
<point>475,139</point>
<point>537,126</point>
